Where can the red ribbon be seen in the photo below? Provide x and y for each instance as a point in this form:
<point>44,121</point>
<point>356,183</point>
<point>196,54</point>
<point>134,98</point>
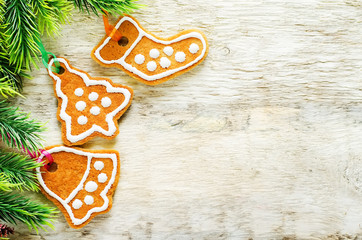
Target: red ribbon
<point>111,31</point>
<point>48,156</point>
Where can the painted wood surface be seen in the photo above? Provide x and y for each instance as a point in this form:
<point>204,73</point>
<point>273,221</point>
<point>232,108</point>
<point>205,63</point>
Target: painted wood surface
<point>260,141</point>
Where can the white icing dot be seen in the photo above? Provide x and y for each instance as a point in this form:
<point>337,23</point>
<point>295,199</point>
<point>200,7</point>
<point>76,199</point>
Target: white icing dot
<point>95,110</point>
<point>106,102</point>
<point>102,178</point>
<point>194,48</point>
<point>168,51</point>
<point>78,92</point>
<point>180,57</point>
<point>89,200</point>
<point>165,63</point>
<point>151,66</point>
<point>99,165</point>
<point>154,53</point>
<point>82,120</point>
<point>80,106</point>
<point>91,186</point>
<point>77,204</point>
<point>93,96</point>
<point>139,59</point>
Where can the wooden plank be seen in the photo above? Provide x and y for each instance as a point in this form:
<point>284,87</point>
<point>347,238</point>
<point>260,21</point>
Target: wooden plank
<point>262,140</point>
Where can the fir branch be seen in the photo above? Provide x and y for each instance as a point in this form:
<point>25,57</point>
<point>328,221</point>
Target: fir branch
<point>50,14</point>
<point>5,185</point>
<point>18,170</point>
<point>8,72</point>
<point>111,6</point>
<point>22,32</point>
<point>17,130</point>
<point>14,207</point>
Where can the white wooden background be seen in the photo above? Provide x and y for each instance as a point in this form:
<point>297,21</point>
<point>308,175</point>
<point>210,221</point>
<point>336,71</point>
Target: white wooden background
<point>260,141</point>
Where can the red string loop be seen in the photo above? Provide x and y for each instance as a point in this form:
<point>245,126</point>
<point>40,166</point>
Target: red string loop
<point>48,156</point>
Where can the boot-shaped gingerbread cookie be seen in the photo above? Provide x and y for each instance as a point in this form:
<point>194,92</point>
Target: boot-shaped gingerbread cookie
<point>87,107</point>
<point>80,182</point>
<point>148,58</point>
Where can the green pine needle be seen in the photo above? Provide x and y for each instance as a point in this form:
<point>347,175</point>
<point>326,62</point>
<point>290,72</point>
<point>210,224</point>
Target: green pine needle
<point>5,185</point>
<point>22,32</point>
<point>14,208</point>
<point>51,14</point>
<point>111,6</point>
<point>19,170</point>
<point>17,130</point>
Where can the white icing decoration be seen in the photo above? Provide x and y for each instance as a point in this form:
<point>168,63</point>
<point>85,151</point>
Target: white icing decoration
<point>89,200</point>
<point>154,53</point>
<point>95,110</point>
<point>65,202</point>
<point>91,186</point>
<point>102,178</point>
<point>139,59</point>
<point>168,51</point>
<point>93,96</point>
<point>98,165</point>
<point>79,92</point>
<point>151,66</point>
<point>180,57</point>
<point>77,204</point>
<point>142,34</point>
<point>106,102</point>
<point>111,127</point>
<point>82,120</point>
<point>80,106</point>
<point>165,62</point>
<point>194,48</point>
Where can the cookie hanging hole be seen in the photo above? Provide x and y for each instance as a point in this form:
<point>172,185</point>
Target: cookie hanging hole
<point>123,41</point>
<point>61,70</point>
<point>52,167</point>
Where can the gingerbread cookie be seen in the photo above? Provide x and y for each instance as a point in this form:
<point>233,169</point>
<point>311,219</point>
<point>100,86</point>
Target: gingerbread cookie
<point>87,107</point>
<point>80,182</point>
<point>148,58</point>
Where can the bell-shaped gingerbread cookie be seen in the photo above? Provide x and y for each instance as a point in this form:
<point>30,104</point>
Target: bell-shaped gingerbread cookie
<point>147,57</point>
<point>87,107</point>
<point>81,183</point>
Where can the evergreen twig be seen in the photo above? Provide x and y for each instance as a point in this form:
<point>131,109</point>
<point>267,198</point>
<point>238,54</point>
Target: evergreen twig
<point>14,207</point>
<point>111,6</point>
<point>17,130</point>
<point>18,171</point>
<point>22,32</point>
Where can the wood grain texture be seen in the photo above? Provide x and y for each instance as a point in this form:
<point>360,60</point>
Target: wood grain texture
<point>262,140</point>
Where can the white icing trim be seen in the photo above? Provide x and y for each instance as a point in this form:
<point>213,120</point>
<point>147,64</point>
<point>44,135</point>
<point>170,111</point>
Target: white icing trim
<point>65,203</point>
<point>142,34</point>
<point>89,82</point>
